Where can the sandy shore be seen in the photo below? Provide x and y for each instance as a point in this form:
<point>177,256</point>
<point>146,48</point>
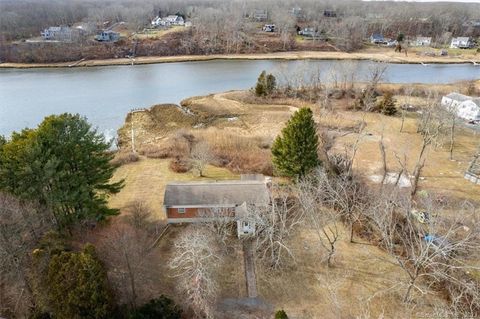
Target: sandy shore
<point>380,55</point>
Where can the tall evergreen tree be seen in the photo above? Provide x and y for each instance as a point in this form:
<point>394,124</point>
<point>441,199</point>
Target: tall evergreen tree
<point>260,88</point>
<point>295,150</point>
<point>65,165</point>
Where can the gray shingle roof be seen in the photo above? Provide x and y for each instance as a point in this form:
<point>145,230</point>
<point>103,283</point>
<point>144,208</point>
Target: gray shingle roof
<point>228,193</point>
<point>461,98</point>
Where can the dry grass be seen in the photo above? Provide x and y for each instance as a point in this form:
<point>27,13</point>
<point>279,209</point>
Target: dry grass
<point>440,175</point>
<point>358,283</point>
<point>145,181</point>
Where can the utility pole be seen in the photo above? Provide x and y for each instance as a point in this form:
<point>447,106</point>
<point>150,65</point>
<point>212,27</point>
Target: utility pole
<point>133,136</point>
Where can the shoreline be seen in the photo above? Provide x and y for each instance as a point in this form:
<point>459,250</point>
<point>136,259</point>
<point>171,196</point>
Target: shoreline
<point>388,57</point>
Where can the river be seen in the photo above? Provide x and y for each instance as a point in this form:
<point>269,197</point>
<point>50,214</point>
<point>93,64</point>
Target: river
<point>106,94</point>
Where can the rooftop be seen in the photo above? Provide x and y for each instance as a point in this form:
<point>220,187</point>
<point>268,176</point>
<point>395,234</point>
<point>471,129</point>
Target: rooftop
<point>233,192</point>
<point>461,98</point>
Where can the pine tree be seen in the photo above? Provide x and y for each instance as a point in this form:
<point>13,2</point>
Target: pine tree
<point>295,150</point>
<point>63,164</point>
<point>387,105</point>
<point>266,84</point>
<point>260,88</point>
<point>271,83</point>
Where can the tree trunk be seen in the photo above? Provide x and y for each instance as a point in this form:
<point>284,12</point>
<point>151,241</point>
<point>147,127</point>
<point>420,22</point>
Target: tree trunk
<point>452,138</point>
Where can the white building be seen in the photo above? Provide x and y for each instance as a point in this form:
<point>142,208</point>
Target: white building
<point>423,41</point>
<point>61,33</point>
<point>461,43</point>
<point>168,21</point>
<point>464,106</point>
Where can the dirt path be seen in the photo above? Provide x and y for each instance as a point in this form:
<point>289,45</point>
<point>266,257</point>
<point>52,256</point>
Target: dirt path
<point>250,276</point>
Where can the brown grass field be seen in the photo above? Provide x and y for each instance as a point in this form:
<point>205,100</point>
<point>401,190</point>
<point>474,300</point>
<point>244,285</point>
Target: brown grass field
<point>364,281</point>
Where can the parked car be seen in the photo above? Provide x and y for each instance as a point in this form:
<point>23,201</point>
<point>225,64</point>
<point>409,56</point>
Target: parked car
<point>269,28</point>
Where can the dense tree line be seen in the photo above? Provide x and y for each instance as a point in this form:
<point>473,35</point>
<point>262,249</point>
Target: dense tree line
<point>224,26</point>
<point>53,179</point>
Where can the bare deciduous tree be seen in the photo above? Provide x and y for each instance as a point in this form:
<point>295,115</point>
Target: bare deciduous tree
<point>126,250</point>
<point>201,155</point>
<point>195,262</point>
<point>274,227</point>
<point>429,248</point>
<point>21,227</point>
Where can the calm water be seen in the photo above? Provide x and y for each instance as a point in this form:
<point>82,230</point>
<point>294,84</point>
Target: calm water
<point>105,94</point>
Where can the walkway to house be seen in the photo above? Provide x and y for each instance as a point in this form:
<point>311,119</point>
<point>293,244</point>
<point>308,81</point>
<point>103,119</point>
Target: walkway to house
<point>249,261</point>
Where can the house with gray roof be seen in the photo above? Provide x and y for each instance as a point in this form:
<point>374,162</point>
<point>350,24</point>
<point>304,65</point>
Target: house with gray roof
<point>200,201</point>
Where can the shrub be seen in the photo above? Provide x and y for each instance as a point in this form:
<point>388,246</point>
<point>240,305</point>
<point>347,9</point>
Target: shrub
<point>180,165</point>
<point>281,314</point>
<point>160,308</point>
<point>387,105</point>
<point>124,158</point>
<point>153,151</point>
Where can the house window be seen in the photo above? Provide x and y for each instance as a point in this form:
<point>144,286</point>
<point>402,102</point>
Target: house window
<point>181,210</point>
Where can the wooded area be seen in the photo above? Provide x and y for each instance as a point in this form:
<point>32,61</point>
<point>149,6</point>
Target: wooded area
<point>223,26</point>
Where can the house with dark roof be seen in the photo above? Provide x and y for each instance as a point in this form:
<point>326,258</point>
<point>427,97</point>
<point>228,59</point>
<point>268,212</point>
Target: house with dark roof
<point>201,201</point>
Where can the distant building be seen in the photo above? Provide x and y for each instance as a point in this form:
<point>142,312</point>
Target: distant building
<point>107,36</point>
<point>298,13</point>
<point>423,41</point>
<point>269,28</point>
<point>174,20</point>
<point>377,38</point>
<point>466,107</point>
<point>260,15</point>
<point>462,43</point>
<point>167,21</point>
<point>309,32</point>
<point>330,13</point>
<point>61,33</point>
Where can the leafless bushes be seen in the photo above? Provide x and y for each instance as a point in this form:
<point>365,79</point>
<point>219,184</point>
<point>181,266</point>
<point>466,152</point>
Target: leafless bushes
<point>123,158</point>
<point>239,153</point>
<point>126,248</point>
<point>21,227</point>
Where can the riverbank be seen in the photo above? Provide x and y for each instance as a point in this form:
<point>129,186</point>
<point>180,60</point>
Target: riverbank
<point>381,55</point>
